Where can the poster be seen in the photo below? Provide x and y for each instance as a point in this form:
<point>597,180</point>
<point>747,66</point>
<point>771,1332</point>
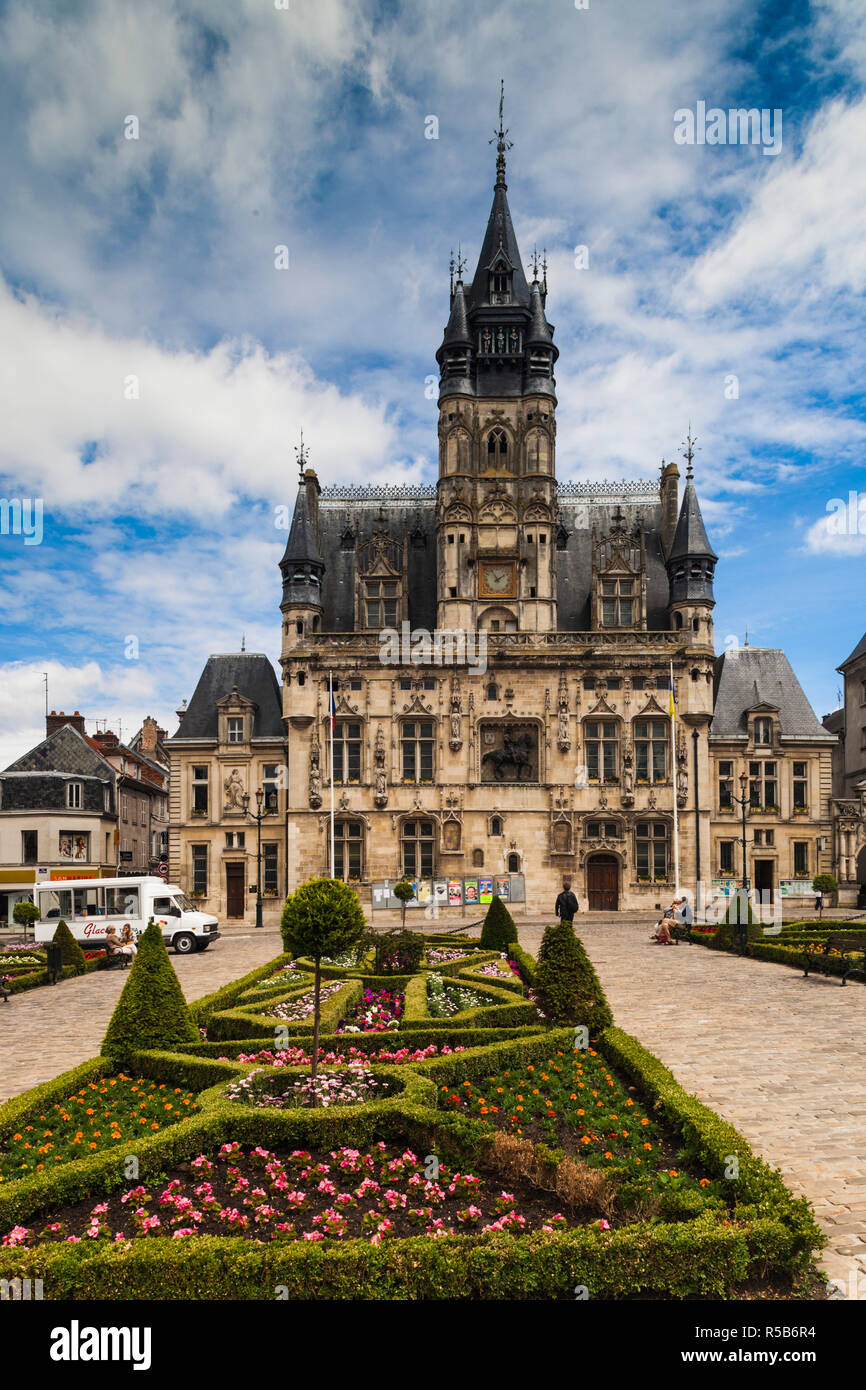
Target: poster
<point>440,892</point>
<point>485,888</point>
<point>503,887</point>
<point>470,890</point>
<point>455,892</point>
<point>423,891</point>
<point>796,888</point>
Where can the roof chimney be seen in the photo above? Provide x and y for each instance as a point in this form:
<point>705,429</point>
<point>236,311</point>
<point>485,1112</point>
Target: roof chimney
<point>55,721</point>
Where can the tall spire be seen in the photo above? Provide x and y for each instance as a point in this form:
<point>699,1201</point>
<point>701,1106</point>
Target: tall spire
<point>502,143</point>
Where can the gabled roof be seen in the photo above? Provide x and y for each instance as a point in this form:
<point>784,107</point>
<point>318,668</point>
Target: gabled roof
<point>690,537</point>
<point>749,677</point>
<point>254,677</point>
<point>859,650</point>
<point>68,752</point>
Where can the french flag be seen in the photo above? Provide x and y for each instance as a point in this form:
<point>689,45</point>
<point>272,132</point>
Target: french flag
<point>332,708</point>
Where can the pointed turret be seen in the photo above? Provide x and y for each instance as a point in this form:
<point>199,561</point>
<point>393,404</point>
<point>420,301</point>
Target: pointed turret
<point>302,566</point>
<point>691,564</point>
<point>498,342</point>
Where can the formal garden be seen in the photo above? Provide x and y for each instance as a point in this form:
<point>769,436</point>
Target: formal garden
<point>386,1116</point>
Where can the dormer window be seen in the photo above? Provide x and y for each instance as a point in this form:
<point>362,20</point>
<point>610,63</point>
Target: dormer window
<point>235,729</point>
<point>381,599</point>
<point>617,602</point>
<point>500,283</point>
<point>763,731</point>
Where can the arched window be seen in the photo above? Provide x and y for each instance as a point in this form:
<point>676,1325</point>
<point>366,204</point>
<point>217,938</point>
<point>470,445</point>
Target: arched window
<point>478,859</point>
<point>514,863</point>
<point>678,620</point>
<point>497,447</point>
<point>492,691</point>
<point>496,826</point>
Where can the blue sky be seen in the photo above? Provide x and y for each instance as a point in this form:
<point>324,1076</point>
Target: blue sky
<point>153,259</point>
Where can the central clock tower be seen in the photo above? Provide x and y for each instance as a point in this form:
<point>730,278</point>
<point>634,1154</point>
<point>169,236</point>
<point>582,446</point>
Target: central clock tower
<point>497,521</point>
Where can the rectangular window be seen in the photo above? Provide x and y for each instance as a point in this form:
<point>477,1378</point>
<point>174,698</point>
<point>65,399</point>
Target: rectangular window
<point>348,846</point>
<point>726,785</point>
<point>74,844</point>
<point>801,857</point>
<point>763,730</point>
<point>199,869</point>
<point>592,830</point>
<point>347,752</point>
<point>124,808</point>
<point>726,856</point>
<point>762,786</point>
<point>801,787</point>
<point>617,602</point>
<point>271,786</point>
<point>381,602</point>
<point>236,730</point>
<point>269,868</point>
<point>651,850</point>
<point>73,795</point>
<point>418,842</point>
<point>29,847</point>
<point>199,790</point>
<point>236,839</point>
<point>601,741</point>
<point>417,749</point>
<point>651,749</point>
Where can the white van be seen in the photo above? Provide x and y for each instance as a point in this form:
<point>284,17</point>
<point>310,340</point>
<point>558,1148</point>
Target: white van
<point>89,906</point>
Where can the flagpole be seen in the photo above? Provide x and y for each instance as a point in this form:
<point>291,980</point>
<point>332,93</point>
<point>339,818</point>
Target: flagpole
<point>331,722</point>
<point>673,714</point>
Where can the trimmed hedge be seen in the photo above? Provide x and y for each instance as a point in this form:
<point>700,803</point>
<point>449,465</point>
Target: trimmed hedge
<point>704,1253</point>
<point>251,1022</point>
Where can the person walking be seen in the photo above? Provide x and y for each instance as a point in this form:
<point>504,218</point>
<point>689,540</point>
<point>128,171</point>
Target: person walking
<point>566,907</point>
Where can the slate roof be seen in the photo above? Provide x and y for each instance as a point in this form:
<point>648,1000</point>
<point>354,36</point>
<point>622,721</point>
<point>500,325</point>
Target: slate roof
<point>65,751</point>
<point>255,679</point>
<point>500,233</point>
<point>301,544</point>
<point>417,518</point>
<point>859,650</point>
<point>690,537</point>
<point>750,676</point>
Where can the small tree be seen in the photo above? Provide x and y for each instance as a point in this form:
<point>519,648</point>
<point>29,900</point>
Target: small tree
<point>25,914</point>
<point>322,918</point>
<point>498,930</point>
<point>405,892</point>
<point>824,883</point>
<point>70,951</point>
<point>152,1010</point>
<point>567,989</point>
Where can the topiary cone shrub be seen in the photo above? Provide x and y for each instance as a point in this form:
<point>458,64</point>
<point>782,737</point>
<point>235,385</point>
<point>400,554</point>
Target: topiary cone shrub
<point>152,1010</point>
<point>498,930</point>
<point>323,918</point>
<point>71,953</point>
<point>567,989</point>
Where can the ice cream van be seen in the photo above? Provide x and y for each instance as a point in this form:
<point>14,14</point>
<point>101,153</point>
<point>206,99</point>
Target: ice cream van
<point>89,906</point>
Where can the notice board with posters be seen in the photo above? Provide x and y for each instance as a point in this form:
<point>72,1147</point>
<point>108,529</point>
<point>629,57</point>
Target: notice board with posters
<point>440,894</point>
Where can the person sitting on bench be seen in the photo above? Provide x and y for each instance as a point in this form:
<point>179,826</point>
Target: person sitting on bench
<point>111,943</point>
<point>127,941</point>
<point>662,935</point>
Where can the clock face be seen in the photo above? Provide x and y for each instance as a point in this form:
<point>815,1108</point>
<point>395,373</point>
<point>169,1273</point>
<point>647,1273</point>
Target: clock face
<point>497,579</point>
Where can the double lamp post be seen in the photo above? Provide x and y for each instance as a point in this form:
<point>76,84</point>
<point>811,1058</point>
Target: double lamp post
<point>258,816</point>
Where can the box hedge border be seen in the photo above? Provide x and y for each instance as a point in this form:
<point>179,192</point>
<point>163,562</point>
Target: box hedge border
<point>773,1232</point>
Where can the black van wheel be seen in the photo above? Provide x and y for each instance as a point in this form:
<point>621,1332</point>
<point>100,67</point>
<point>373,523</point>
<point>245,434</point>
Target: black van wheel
<point>184,943</point>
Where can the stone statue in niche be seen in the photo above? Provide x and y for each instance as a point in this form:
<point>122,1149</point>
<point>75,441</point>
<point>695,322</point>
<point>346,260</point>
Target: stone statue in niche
<point>628,775</point>
<point>234,790</point>
<point>455,741</point>
<point>682,770</point>
<point>315,778</point>
<point>380,795</point>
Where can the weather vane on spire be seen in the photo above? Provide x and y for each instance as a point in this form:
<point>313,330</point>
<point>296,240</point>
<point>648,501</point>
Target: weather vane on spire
<point>535,264</point>
<point>689,451</point>
<point>461,262</point>
<point>302,455</point>
<point>502,144</point>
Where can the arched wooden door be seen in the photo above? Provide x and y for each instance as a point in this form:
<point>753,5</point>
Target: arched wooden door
<point>602,883</point>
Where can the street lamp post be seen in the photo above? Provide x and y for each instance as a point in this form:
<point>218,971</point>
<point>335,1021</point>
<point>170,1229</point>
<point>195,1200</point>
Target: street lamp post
<point>258,816</point>
<point>742,802</point>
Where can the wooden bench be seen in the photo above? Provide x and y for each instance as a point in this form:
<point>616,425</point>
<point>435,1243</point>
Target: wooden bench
<point>846,944</point>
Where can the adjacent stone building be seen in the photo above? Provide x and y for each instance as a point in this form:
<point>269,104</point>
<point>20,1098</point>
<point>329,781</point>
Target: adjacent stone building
<point>765,730</point>
<point>231,742</point>
<point>848,724</point>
